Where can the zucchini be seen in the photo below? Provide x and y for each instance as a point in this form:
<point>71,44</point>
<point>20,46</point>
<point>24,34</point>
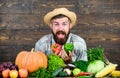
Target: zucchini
<point>63,74</point>
<point>56,72</point>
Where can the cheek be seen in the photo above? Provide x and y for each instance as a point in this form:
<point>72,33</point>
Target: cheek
<point>67,30</point>
<point>54,30</point>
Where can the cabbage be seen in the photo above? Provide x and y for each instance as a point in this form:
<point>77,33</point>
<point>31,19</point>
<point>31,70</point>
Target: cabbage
<point>95,66</point>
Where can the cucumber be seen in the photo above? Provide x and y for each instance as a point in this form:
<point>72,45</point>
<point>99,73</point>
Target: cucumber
<point>56,72</point>
<point>62,74</point>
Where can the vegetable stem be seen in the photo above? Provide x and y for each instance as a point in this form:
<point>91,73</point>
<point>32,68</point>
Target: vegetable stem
<point>32,50</point>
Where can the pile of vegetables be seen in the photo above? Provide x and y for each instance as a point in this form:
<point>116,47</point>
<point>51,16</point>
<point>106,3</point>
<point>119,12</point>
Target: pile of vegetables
<point>54,62</point>
<point>38,65</point>
<point>97,64</point>
<point>96,59</point>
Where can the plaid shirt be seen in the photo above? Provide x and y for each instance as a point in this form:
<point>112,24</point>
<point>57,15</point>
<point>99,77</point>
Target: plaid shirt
<point>44,45</point>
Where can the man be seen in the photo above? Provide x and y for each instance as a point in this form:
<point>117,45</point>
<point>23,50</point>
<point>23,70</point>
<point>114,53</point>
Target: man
<point>60,21</point>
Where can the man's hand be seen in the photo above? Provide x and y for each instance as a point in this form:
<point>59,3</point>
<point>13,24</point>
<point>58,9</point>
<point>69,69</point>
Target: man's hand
<point>66,57</point>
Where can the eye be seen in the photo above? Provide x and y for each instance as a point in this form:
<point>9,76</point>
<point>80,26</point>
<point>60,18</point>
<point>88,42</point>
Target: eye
<point>55,24</point>
<point>66,23</point>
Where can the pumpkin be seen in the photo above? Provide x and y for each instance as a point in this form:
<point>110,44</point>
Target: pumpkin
<point>31,60</point>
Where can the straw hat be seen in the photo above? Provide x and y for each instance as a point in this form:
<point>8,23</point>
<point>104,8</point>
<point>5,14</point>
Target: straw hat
<point>64,11</point>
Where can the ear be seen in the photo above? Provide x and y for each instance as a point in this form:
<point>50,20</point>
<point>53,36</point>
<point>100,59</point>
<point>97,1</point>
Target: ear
<point>51,26</point>
<point>70,25</point>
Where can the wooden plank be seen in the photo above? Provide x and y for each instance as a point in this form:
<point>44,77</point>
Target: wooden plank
<point>20,37</point>
<point>102,6</point>
<point>97,30</point>
<point>29,35</point>
<point>31,6</point>
<point>9,53</point>
<point>105,43</point>
<point>34,21</point>
<point>21,21</point>
<point>34,6</point>
<point>99,19</point>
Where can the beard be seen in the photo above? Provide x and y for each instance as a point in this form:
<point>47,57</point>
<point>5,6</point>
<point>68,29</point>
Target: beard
<point>60,41</point>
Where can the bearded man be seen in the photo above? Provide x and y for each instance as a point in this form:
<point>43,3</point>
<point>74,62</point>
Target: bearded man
<point>61,21</point>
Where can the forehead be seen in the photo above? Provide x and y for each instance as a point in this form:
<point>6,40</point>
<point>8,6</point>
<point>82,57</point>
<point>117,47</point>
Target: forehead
<point>63,19</point>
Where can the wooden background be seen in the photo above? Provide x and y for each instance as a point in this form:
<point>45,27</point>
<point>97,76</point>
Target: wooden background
<point>21,24</point>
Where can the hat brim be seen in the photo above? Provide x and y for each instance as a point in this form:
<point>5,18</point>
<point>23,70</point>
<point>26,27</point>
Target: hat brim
<point>71,15</point>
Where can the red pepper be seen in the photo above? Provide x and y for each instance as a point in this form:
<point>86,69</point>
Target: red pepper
<point>56,48</point>
<point>83,74</point>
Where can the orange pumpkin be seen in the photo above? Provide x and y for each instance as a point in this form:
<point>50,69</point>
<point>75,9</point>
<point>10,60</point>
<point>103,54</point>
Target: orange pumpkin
<point>31,60</point>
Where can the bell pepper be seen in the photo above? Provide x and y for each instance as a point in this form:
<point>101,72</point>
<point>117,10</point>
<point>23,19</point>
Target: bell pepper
<point>68,47</point>
<point>56,48</point>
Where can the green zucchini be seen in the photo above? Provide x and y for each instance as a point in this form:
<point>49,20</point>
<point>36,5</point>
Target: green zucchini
<point>62,74</point>
<point>56,72</point>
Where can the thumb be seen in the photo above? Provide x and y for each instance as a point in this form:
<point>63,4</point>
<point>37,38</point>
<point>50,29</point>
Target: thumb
<point>70,53</point>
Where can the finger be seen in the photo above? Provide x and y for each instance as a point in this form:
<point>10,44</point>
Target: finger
<point>71,53</point>
<point>67,58</point>
<point>55,53</point>
<point>59,54</point>
<point>63,56</point>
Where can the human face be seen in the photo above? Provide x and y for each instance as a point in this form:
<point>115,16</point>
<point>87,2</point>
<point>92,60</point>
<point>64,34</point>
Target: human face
<point>60,29</point>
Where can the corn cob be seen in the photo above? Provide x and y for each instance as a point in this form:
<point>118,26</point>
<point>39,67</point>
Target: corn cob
<point>108,69</point>
<point>115,73</point>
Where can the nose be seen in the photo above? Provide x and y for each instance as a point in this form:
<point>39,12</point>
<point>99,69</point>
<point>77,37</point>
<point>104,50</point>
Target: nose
<point>60,27</point>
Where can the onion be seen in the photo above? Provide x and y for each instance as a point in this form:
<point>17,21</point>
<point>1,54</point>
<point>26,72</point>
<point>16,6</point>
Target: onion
<point>68,71</point>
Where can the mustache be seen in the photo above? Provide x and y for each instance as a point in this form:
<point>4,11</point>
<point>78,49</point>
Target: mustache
<point>60,32</point>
